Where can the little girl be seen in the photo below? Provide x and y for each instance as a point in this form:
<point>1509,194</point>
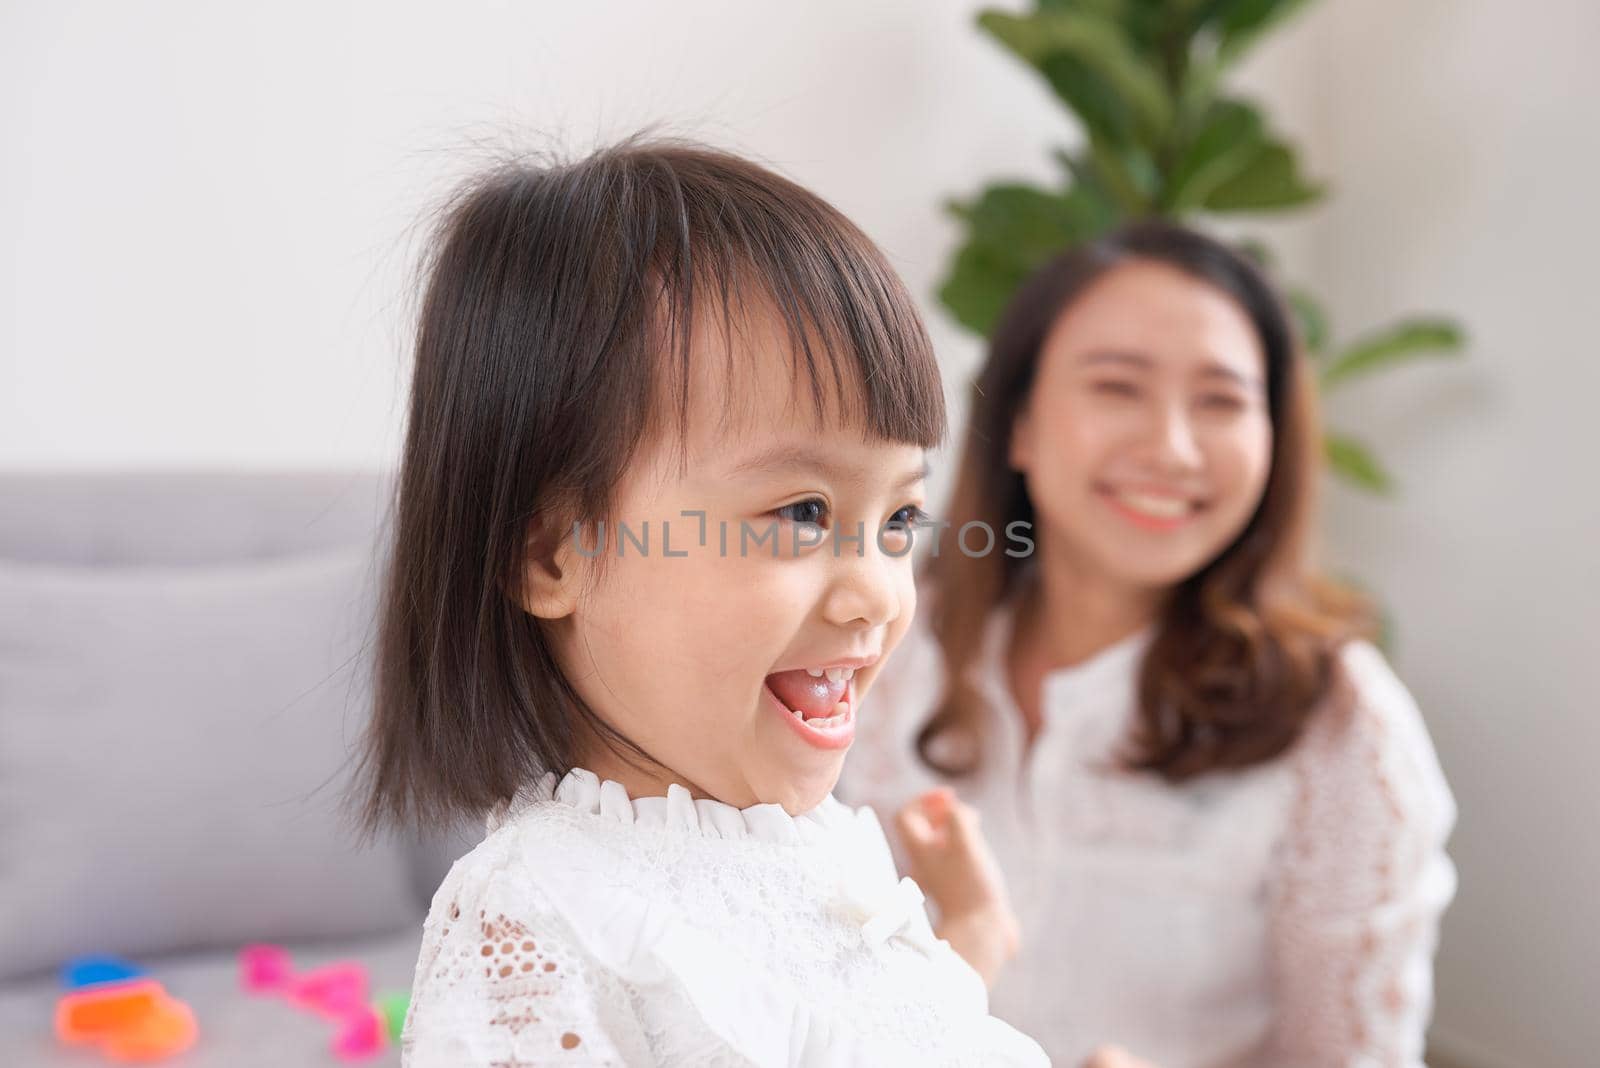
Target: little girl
<point>651,548</point>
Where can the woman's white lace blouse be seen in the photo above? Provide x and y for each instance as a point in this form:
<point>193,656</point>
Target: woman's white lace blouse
<point>591,928</point>
<point>1284,915</point>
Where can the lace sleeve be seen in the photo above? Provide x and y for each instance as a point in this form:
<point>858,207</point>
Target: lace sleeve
<point>1363,879</point>
<point>502,983</point>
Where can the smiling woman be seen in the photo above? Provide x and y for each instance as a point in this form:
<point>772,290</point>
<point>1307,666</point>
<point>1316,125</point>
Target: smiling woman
<point>1219,811</point>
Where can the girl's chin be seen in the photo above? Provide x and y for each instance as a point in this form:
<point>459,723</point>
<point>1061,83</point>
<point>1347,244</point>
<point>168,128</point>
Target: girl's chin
<point>802,792</point>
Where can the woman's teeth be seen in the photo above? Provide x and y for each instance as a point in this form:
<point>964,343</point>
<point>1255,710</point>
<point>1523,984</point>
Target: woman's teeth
<point>834,674</point>
<point>1156,507</point>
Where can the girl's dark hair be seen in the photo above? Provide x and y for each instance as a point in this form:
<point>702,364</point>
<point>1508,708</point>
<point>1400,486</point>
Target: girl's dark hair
<point>1246,646</point>
<point>553,341</point>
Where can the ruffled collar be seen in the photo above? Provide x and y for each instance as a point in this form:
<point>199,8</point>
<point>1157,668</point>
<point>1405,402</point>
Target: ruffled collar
<point>607,799</point>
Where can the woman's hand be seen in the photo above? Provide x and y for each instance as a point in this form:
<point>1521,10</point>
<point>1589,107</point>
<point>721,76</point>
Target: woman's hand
<point>952,863</point>
<point>1114,1057</point>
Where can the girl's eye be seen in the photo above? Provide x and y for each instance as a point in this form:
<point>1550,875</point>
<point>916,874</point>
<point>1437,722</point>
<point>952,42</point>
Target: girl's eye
<point>1221,402</point>
<point>908,518</point>
<point>812,510</point>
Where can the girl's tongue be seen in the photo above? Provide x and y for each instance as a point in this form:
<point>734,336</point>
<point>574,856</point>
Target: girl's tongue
<point>814,698</point>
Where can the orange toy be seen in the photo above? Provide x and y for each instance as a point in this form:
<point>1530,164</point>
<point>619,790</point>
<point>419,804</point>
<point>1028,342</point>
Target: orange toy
<point>135,1020</point>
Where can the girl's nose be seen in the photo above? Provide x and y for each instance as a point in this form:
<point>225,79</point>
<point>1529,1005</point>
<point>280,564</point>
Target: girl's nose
<point>865,593</point>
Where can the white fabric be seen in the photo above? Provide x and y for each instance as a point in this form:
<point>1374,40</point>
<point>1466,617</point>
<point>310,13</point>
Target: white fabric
<point>591,928</point>
<point>1285,915</point>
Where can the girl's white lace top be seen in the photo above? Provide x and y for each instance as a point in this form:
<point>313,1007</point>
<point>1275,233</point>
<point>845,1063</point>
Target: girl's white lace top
<point>591,928</point>
<point>1282,916</point>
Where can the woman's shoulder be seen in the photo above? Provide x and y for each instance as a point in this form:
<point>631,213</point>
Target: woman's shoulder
<point>1369,739</point>
<point>1371,705</point>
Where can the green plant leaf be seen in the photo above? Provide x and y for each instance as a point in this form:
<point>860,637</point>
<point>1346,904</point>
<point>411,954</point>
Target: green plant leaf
<point>1313,321</point>
<point>1240,24</point>
<point>1125,175</point>
<point>980,283</point>
<point>1075,49</point>
<point>1225,144</point>
<point>1353,461</point>
<point>1104,113</point>
<point>1030,224</point>
<point>1011,229</point>
<point>1085,178</point>
<point>1269,181</point>
<point>1110,10</point>
<point>1409,340</point>
<point>1144,22</point>
<point>1198,89</point>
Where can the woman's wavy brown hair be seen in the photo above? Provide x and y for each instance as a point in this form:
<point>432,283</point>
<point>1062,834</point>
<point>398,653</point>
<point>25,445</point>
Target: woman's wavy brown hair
<point>1245,649</point>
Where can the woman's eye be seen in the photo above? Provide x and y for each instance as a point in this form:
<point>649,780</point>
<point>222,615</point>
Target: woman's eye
<point>813,510</point>
<point>1115,389</point>
<point>908,518</point>
<point>1221,402</point>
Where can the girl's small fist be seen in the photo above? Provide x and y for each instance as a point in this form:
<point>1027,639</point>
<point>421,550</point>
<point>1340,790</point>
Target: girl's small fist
<point>948,855</point>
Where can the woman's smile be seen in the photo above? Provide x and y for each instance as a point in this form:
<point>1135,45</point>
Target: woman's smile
<point>1158,510</point>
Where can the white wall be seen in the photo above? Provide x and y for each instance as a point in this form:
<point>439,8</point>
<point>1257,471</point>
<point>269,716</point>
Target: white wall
<point>207,204</point>
<point>206,208</point>
<point>1464,140</point>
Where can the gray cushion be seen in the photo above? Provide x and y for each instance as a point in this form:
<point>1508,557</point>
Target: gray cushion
<point>184,518</point>
<point>174,742</point>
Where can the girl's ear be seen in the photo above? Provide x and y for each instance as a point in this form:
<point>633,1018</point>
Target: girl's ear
<point>551,573</point>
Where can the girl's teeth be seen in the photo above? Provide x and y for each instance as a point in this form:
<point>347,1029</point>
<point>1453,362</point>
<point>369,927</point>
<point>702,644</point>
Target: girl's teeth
<point>841,712</point>
<point>834,674</point>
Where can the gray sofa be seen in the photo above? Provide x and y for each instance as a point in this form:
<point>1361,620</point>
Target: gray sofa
<point>183,680</point>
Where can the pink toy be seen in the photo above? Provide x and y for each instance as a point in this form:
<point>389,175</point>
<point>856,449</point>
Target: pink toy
<point>337,991</point>
<point>334,990</point>
<point>363,1034</point>
<point>264,968</point>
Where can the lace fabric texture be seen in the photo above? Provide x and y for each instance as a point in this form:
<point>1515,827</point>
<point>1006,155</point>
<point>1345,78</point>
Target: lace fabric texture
<point>1285,916</point>
<point>593,929</point>
<point>1362,879</point>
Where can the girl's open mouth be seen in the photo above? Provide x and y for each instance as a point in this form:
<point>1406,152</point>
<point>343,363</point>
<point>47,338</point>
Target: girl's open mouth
<point>821,710</point>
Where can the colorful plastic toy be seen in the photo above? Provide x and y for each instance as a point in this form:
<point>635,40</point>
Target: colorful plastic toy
<point>361,1034</point>
<point>338,991</point>
<point>264,968</point>
<point>334,990</point>
<point>394,1006</point>
<point>128,1016</point>
<point>87,971</point>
